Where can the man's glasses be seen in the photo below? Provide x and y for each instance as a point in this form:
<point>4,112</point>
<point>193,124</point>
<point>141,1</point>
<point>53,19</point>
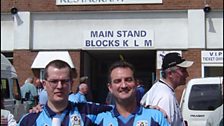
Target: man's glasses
<point>55,82</point>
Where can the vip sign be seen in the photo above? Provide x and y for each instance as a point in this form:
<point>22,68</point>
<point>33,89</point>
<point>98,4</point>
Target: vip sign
<point>212,56</point>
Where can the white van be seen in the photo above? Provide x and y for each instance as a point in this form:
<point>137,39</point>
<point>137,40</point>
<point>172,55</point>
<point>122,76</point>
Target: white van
<point>200,97</point>
<point>10,90</point>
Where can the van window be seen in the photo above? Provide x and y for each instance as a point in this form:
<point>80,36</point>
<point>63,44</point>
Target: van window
<point>5,88</point>
<point>205,97</point>
<point>16,89</point>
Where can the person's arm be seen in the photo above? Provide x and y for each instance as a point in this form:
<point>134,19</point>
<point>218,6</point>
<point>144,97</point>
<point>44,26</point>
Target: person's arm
<point>7,118</point>
<point>93,108</point>
<point>11,120</point>
<point>161,110</point>
<point>36,109</point>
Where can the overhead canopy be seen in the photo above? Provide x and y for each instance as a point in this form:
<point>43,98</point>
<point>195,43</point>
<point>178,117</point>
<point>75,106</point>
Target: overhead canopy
<point>44,57</point>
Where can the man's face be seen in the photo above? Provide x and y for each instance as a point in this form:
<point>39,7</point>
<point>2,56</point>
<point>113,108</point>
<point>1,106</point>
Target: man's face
<point>122,84</point>
<point>57,84</point>
<point>179,75</point>
<point>86,89</point>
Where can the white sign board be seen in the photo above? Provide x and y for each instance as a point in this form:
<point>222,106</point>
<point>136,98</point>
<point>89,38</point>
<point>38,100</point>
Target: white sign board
<point>161,54</point>
<point>118,38</point>
<point>94,2</point>
<point>212,56</point>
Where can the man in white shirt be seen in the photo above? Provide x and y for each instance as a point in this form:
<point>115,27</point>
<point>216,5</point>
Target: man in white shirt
<point>174,73</point>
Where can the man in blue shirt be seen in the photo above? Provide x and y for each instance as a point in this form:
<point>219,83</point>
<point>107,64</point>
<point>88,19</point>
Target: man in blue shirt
<point>43,97</point>
<point>127,111</point>
<point>140,90</point>
<point>58,77</point>
<point>57,83</point>
<point>79,97</point>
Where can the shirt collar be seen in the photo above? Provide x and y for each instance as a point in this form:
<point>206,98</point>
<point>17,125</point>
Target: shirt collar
<point>51,113</point>
<point>163,82</point>
<point>138,110</point>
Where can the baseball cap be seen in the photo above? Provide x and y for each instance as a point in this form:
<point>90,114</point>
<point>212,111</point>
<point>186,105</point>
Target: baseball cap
<point>174,59</point>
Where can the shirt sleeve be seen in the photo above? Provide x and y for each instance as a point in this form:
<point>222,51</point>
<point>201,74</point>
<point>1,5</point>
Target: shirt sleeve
<point>11,120</point>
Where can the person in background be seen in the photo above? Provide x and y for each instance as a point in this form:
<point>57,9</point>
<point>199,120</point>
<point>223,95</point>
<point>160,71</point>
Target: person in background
<point>43,97</point>
<point>59,111</point>
<point>110,99</point>
<point>29,92</point>
<point>216,117</point>
<point>174,73</point>
<point>42,93</point>
<point>80,95</point>
<point>140,91</point>
<point>7,118</point>
<point>39,86</point>
<point>127,112</point>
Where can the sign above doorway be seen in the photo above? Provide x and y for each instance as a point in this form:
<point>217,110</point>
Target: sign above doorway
<point>96,2</point>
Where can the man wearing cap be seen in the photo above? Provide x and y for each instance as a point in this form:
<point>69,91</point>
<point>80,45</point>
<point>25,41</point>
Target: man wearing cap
<point>174,73</point>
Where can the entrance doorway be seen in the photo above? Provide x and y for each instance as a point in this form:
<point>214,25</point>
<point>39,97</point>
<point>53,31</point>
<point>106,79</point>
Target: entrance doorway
<point>95,64</point>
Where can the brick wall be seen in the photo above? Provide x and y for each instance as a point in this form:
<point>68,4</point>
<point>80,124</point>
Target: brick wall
<point>23,60</point>
<point>50,5</point>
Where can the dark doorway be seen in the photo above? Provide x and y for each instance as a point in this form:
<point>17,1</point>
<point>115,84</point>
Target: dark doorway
<point>95,64</point>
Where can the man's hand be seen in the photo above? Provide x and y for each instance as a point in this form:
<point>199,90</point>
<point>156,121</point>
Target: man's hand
<point>36,109</point>
<point>160,109</point>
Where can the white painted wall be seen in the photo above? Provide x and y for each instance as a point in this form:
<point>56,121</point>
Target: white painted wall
<point>214,30</point>
<point>50,31</point>
<point>196,28</point>
<point>7,32</point>
<point>22,31</point>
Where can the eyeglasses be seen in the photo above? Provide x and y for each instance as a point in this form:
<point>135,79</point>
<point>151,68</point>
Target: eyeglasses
<point>55,82</point>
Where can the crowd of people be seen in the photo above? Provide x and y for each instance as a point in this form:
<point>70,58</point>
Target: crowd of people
<point>127,103</point>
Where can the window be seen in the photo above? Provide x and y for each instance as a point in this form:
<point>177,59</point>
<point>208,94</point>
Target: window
<point>212,70</point>
<point>205,97</point>
<point>9,56</point>
<point>5,88</point>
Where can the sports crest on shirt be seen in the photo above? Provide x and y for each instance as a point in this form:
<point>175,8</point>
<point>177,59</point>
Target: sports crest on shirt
<point>142,123</point>
<point>76,120</point>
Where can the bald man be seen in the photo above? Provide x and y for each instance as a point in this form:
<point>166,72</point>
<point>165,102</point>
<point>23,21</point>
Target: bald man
<point>80,95</point>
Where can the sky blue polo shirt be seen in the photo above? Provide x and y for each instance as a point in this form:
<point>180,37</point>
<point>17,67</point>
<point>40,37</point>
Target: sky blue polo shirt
<point>78,97</point>
<point>141,117</point>
<point>80,114</point>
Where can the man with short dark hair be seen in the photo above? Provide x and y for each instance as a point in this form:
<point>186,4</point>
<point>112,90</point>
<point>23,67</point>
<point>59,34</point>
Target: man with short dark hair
<point>174,73</point>
<point>57,83</point>
<point>58,77</point>
<point>127,110</point>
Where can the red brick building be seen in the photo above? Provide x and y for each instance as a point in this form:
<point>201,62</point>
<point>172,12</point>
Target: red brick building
<point>96,33</point>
